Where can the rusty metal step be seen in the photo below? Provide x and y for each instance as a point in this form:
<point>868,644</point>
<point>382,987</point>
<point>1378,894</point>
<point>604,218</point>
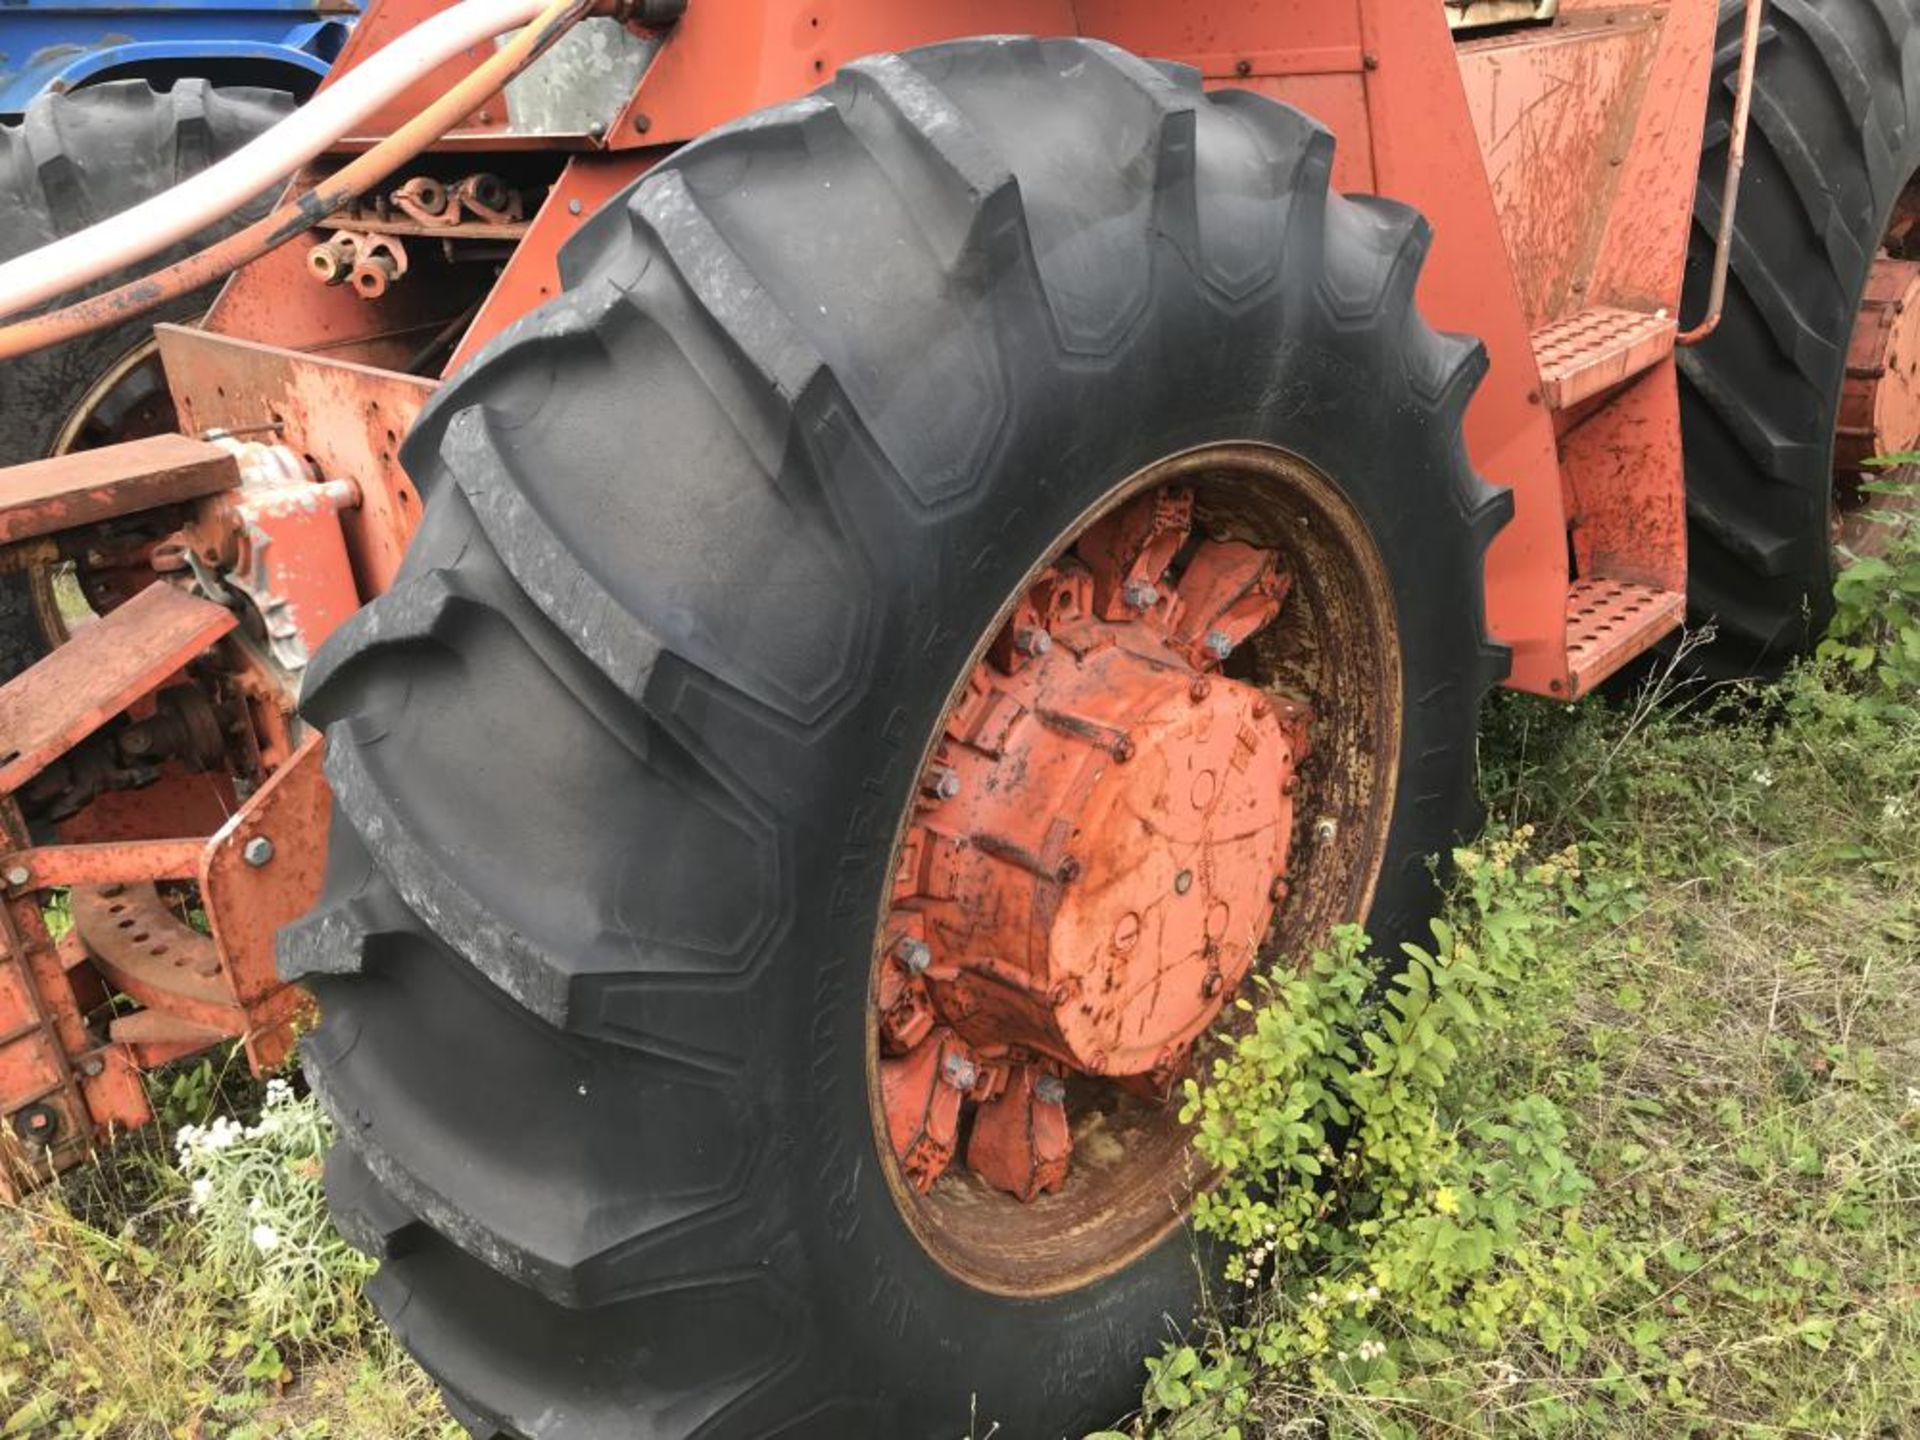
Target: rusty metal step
<point>87,486</point>
<point>52,706</point>
<point>1611,621</point>
<point>1597,349</point>
<point>146,951</point>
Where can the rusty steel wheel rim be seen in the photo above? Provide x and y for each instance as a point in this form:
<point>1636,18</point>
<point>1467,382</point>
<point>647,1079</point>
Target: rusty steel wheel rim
<point>1079,894</point>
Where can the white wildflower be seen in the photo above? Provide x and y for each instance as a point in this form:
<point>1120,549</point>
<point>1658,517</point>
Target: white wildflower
<point>1762,777</point>
<point>1894,809</point>
<point>202,1192</point>
<point>265,1238</point>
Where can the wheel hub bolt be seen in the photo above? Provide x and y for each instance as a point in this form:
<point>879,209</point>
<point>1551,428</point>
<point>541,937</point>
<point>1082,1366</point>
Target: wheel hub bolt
<point>1141,595</point>
<point>1050,1090</point>
<point>257,851</point>
<point>915,954</point>
<point>1032,641</point>
<point>1326,829</point>
<point>958,1071</point>
<point>1219,644</point>
<point>942,782</point>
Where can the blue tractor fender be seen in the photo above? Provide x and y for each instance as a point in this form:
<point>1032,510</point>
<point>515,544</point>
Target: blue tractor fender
<point>283,44</point>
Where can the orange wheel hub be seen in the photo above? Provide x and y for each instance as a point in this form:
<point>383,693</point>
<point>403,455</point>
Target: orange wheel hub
<point>1097,852</point>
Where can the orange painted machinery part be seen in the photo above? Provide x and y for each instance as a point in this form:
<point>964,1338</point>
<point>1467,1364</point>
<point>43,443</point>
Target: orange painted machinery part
<point>1097,851</point>
<point>1880,400</point>
<point>109,741</point>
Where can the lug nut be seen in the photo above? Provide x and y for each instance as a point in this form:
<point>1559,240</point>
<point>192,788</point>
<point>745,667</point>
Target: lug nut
<point>1219,644</point>
<point>257,851</point>
<point>1050,1090</point>
<point>1031,640</point>
<point>958,1071</point>
<point>914,953</point>
<point>1141,595</point>
<point>942,782</point>
<point>1326,829</point>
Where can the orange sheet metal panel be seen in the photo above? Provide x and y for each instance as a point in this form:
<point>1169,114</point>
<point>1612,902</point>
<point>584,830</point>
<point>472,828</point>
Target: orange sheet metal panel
<point>1425,152</point>
<point>1591,132</point>
<point>349,418</point>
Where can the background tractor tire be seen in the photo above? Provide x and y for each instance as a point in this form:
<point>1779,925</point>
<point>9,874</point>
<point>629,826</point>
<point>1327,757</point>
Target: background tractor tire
<point>617,762</point>
<point>1835,138</point>
<point>74,159</point>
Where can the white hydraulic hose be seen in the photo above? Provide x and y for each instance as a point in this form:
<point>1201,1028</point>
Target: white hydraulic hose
<point>222,188</point>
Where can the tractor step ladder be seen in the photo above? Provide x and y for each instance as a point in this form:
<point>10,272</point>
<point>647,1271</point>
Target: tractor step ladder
<point>1611,621</point>
<point>1590,353</point>
<point>1583,357</point>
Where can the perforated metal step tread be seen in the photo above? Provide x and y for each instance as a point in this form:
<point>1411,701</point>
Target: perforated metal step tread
<point>1585,354</point>
<point>1611,621</point>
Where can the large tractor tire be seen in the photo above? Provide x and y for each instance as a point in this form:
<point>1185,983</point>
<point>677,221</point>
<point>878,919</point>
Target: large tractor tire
<point>629,762</point>
<point>72,160</point>
<point>1834,142</point>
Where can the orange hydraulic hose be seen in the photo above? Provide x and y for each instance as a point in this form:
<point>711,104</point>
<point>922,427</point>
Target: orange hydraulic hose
<point>290,220</point>
<point>1730,192</point>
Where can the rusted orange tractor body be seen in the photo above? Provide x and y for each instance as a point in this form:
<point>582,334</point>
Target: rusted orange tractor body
<point>1557,164</point>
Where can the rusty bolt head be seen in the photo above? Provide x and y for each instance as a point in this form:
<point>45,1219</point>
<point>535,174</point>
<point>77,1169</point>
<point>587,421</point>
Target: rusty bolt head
<point>1068,870</point>
<point>958,1071</point>
<point>1032,640</point>
<point>1183,882</point>
<point>1326,829</point>
<point>1210,986</point>
<point>1219,644</point>
<point>1200,688</point>
<point>18,875</point>
<point>1050,1090</point>
<point>1123,750</point>
<point>942,782</point>
<point>1140,595</point>
<point>257,851</point>
<point>914,953</point>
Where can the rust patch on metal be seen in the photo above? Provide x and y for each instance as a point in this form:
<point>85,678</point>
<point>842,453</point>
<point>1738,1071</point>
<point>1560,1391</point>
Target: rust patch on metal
<point>992,990</point>
<point>1880,399</point>
<point>264,871</point>
<point>85,487</point>
<point>126,654</point>
<point>347,419</point>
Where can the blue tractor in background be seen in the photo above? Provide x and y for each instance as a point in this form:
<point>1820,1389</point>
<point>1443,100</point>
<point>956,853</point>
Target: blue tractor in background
<point>284,45</point>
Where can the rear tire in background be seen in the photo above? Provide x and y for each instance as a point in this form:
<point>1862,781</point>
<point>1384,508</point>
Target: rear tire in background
<point>1834,141</point>
<point>74,159</point>
<point>620,761</point>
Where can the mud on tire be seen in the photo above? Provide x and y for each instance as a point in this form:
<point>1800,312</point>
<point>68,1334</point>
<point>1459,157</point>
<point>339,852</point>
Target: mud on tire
<point>618,760</point>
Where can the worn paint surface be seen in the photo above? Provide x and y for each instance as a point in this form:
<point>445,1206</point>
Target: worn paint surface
<point>1094,860</point>
<point>107,666</point>
<point>83,487</point>
<point>349,418</point>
